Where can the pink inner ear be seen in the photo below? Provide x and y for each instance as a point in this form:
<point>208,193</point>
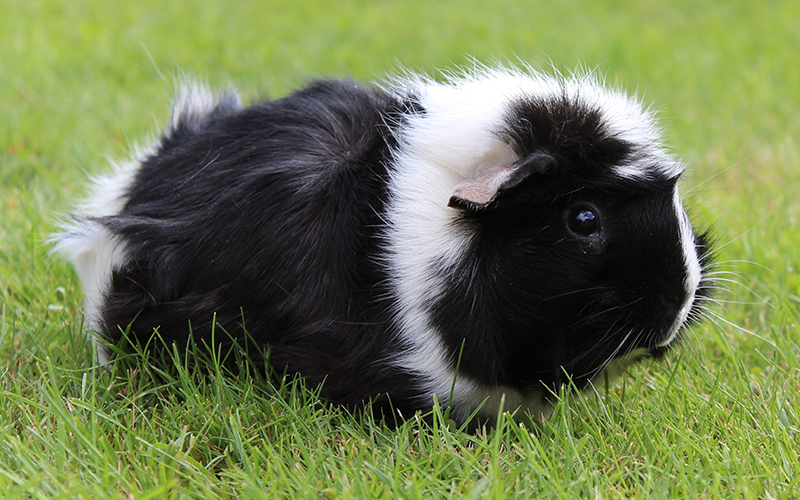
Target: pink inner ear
<point>481,191</point>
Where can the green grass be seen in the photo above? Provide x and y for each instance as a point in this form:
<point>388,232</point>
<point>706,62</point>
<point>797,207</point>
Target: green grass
<point>82,81</point>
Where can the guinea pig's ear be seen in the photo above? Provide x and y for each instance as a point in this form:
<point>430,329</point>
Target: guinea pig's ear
<point>477,194</point>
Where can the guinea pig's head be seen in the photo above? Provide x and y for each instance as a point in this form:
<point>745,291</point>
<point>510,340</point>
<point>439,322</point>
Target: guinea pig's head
<point>583,240</point>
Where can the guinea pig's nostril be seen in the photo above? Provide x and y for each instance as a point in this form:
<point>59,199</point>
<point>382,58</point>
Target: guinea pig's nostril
<point>673,299</point>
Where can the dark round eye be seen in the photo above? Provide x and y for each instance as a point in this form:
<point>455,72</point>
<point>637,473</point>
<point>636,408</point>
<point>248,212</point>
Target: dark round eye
<point>583,220</point>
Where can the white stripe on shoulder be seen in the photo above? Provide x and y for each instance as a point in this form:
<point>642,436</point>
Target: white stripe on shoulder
<point>453,140</point>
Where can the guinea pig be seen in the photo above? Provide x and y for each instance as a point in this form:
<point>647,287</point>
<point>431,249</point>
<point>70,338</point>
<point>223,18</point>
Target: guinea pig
<point>484,240</point>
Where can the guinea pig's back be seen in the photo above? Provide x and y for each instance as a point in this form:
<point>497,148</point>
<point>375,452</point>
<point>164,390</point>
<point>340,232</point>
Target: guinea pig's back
<point>262,219</point>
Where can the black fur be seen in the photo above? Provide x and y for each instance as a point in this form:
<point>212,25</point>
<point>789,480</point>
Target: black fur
<point>227,220</point>
<point>272,219</point>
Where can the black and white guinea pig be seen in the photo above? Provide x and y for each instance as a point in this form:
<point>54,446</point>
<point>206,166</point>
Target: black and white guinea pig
<point>497,234</point>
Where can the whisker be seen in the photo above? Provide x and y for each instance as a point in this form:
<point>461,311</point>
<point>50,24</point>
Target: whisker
<point>717,249</point>
<point>594,316</point>
<point>610,358</point>
<point>573,292</point>
<point>714,274</point>
<point>738,283</point>
<point>737,302</point>
<point>743,261</point>
<point>723,280</point>
<point>711,178</point>
<point>605,339</point>
<point>714,314</point>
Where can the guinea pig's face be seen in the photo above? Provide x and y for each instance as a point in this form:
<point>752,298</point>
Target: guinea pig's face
<point>593,256</point>
<point>598,270</point>
<point>629,270</point>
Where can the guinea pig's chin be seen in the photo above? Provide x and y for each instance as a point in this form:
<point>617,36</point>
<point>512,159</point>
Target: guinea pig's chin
<point>657,352</point>
<point>617,366</point>
<point>670,338</point>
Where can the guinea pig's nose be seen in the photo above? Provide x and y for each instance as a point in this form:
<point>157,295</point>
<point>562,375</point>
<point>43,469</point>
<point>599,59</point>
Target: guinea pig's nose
<point>673,298</point>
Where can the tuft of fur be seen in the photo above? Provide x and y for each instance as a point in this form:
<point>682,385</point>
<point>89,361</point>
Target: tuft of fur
<point>479,240</point>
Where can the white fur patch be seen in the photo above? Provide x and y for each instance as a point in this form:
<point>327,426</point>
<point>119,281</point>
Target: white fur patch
<point>454,140</point>
<point>95,253</point>
<point>195,102</point>
<point>626,119</point>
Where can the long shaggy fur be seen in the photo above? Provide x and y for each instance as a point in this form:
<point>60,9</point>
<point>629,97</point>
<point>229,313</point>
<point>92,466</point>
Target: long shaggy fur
<point>370,237</point>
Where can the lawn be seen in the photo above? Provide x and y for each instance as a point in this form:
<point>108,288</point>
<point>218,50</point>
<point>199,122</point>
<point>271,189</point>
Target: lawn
<point>83,81</point>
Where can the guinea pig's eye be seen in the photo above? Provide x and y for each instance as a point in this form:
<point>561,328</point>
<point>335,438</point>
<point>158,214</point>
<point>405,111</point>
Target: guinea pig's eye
<point>583,220</point>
